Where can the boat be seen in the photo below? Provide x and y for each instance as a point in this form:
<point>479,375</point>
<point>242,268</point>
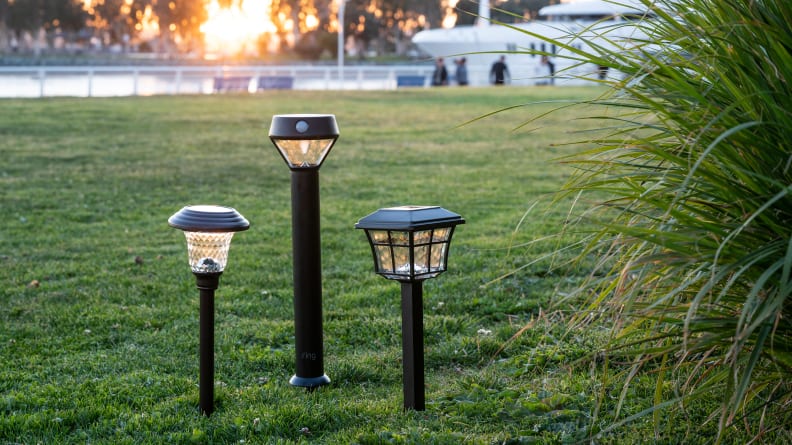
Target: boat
<point>530,58</point>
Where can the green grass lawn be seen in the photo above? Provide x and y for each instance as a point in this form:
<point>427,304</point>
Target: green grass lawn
<point>99,311</point>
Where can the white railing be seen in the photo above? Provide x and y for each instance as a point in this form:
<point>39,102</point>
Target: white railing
<point>32,81</point>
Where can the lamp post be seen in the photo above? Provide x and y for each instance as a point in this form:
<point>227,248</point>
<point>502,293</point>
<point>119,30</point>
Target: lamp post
<point>410,244</point>
<point>304,140</point>
<point>341,43</point>
<point>208,230</point>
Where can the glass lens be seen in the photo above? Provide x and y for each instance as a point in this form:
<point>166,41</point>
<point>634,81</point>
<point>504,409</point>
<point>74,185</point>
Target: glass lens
<point>441,234</point>
<point>384,259</point>
<point>379,236</point>
<point>421,259</point>
<point>401,256</point>
<point>422,237</point>
<point>400,238</point>
<point>208,251</point>
<point>304,153</point>
<point>429,250</point>
<point>438,257</point>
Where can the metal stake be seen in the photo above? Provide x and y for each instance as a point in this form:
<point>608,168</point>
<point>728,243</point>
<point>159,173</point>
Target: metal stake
<point>207,284</point>
<point>412,345</point>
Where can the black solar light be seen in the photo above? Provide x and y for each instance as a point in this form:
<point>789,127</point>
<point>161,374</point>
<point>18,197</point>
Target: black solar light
<point>410,244</point>
<point>304,140</point>
<point>208,230</point>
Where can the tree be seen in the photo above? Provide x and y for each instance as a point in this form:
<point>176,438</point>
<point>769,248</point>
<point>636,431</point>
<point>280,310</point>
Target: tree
<point>37,15</point>
<point>25,15</point>
<point>386,24</point>
<point>4,38</point>
<point>111,16</point>
<point>120,18</point>
<point>181,17</point>
<point>512,11</point>
<point>517,10</point>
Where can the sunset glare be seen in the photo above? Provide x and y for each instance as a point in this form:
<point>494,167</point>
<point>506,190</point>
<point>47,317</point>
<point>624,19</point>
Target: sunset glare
<point>450,18</point>
<point>236,29</point>
<point>245,28</point>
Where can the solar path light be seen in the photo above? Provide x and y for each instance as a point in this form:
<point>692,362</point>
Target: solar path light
<point>208,230</point>
<point>410,244</point>
<point>304,140</point>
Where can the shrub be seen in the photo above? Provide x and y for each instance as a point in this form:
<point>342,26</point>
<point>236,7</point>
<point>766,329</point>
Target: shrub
<point>693,241</point>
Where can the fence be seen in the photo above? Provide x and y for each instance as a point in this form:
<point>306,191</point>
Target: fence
<point>133,81</point>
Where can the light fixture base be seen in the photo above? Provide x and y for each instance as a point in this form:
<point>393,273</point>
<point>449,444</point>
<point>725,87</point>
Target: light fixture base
<point>207,281</point>
<point>309,382</point>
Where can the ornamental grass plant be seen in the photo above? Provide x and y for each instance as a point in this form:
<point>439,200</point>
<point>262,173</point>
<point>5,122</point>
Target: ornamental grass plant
<point>692,173</point>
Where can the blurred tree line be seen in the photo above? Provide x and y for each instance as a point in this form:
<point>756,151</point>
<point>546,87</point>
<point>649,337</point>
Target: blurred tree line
<point>380,26</point>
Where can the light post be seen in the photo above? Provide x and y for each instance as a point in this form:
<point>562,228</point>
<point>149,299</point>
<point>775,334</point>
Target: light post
<point>341,43</point>
<point>304,140</point>
<point>208,230</point>
<point>410,244</point>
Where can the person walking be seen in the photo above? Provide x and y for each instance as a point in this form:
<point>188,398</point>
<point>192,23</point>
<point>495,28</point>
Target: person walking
<point>499,73</point>
<point>440,75</point>
<point>461,72</point>
<point>549,63</point>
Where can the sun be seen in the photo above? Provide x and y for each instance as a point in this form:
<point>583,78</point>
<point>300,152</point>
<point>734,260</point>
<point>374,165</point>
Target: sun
<point>235,30</point>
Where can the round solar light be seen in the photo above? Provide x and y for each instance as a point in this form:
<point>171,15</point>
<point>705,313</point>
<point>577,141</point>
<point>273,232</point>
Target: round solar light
<point>208,229</point>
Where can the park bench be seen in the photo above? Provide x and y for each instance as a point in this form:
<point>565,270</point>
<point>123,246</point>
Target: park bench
<point>225,84</point>
<point>275,83</point>
<point>410,81</point>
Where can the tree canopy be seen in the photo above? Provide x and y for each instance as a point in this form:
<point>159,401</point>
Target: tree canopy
<point>380,22</point>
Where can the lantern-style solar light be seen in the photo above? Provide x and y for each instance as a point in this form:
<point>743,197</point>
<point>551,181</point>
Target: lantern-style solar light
<point>304,140</point>
<point>208,230</point>
<point>410,244</point>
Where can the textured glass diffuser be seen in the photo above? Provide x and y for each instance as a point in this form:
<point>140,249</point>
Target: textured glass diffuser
<point>208,230</point>
<point>410,243</point>
<point>410,255</point>
<point>207,252</point>
<point>303,140</point>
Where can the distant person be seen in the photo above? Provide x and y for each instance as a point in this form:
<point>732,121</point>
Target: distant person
<point>551,68</point>
<point>499,71</point>
<point>602,72</point>
<point>461,72</point>
<point>440,75</point>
